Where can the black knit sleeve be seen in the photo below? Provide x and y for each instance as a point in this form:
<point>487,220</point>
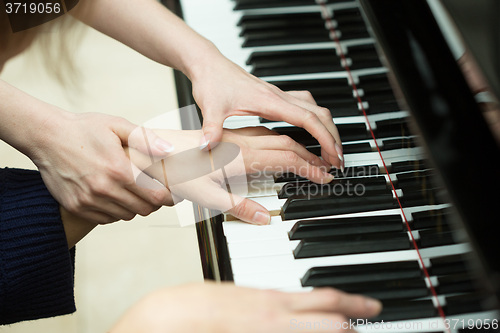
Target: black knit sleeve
<point>36,267</point>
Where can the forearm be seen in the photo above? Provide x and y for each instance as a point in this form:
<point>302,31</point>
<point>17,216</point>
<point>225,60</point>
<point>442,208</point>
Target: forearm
<point>151,29</point>
<point>25,120</point>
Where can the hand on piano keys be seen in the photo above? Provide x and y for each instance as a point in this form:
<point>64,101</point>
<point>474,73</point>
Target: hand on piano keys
<point>224,307</point>
<point>239,93</point>
<point>217,179</point>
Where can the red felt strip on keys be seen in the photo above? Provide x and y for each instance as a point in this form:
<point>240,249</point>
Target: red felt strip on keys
<point>333,35</point>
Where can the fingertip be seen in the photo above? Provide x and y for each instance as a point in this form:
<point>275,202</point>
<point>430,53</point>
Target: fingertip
<point>212,135</point>
<point>262,218</point>
<point>163,146</point>
<point>373,306</point>
<point>327,178</point>
<point>205,141</point>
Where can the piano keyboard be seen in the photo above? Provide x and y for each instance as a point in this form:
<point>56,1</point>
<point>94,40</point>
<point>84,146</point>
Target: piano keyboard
<point>383,227</point>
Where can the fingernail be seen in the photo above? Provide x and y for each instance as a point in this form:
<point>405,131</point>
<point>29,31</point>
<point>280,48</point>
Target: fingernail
<point>205,141</point>
<point>373,304</point>
<point>164,145</point>
<point>261,218</point>
<point>340,154</point>
<point>327,177</point>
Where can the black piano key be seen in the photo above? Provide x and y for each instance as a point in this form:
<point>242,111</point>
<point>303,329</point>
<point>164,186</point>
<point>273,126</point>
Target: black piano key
<point>334,94</point>
<point>364,273</point>
<point>283,67</point>
<point>252,23</point>
<point>353,132</point>
<point>256,4</point>
<point>430,218</point>
<point>418,197</point>
<point>448,265</point>
<point>344,32</point>
<point>403,310</point>
<point>320,87</point>
<point>348,132</point>
<point>290,36</point>
<point>363,53</point>
<point>356,171</point>
<point>392,127</point>
<point>468,303</point>
<point>294,62</point>
<point>352,244</point>
<point>255,21</point>
<point>416,179</point>
<point>258,24</point>
<point>342,110</point>
<point>375,107</point>
<point>388,290</point>
<point>345,226</point>
<point>408,166</point>
<point>435,237</point>
<point>348,98</point>
<point>350,148</point>
<point>276,29</point>
<point>297,134</point>
<point>456,283</point>
<point>337,187</point>
<point>378,96</point>
<point>401,143</point>
<point>375,84</point>
<point>298,208</point>
<point>354,148</point>
<point>348,16</point>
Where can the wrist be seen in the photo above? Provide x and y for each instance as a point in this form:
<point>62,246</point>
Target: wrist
<point>206,57</point>
<point>42,133</point>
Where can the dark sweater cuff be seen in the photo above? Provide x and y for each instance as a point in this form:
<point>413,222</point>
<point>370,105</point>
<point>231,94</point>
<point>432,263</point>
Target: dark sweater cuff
<point>36,267</point>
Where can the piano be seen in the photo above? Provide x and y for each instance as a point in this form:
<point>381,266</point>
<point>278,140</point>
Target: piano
<point>410,220</point>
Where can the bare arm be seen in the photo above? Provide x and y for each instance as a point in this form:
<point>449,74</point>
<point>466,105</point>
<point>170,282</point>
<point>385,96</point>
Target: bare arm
<point>151,29</point>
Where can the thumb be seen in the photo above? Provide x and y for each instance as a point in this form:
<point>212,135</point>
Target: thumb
<point>212,131</point>
<point>251,212</point>
<point>141,138</point>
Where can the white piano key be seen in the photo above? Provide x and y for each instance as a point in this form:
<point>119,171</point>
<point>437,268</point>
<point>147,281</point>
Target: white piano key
<point>327,75</point>
<point>270,247</point>
<point>270,203</point>
<point>253,271</point>
<point>217,21</point>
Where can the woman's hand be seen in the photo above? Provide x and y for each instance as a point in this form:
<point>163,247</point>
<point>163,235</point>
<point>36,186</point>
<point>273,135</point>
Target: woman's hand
<point>205,177</point>
<point>84,166</point>
<point>223,89</point>
<point>225,308</point>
